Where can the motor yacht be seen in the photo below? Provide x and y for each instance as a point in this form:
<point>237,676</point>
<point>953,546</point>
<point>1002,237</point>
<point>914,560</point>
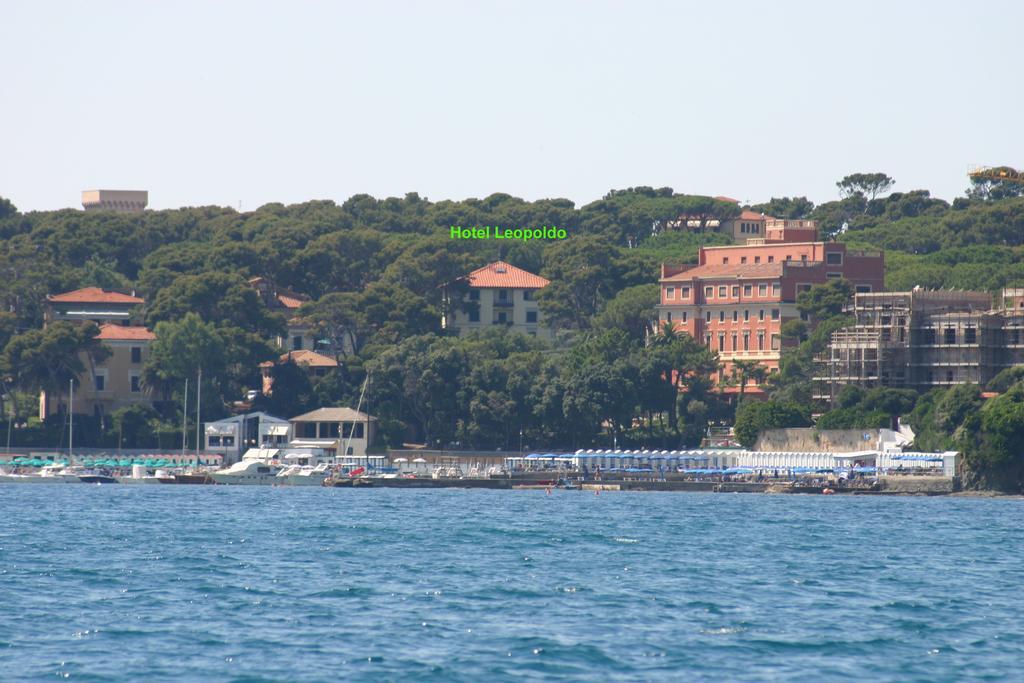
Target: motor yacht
<point>248,471</point>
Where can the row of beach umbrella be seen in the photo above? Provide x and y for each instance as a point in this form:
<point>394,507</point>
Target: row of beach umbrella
<point>23,461</point>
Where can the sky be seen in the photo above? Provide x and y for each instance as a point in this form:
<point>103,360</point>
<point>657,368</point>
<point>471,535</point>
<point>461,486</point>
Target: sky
<point>245,103</point>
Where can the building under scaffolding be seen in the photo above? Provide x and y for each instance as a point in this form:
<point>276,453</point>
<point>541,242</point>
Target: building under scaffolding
<point>922,339</point>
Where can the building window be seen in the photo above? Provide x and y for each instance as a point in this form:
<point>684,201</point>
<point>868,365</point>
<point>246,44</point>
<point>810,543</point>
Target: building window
<point>775,314</point>
<point>684,293</point>
<point>722,292</point>
<point>725,260</point>
<point>735,316</point>
<point>748,290</point>
<point>527,295</point>
<point>474,316</point>
<point>134,383</point>
<point>760,341</point>
<point>502,318</point>
<point>743,259</point>
<point>297,343</point>
<point>746,341</point>
<point>503,295</point>
<point>833,276</point>
<point>757,259</point>
<point>136,354</point>
<point>776,289</point>
<point>228,441</point>
<point>803,257</point>
<point>735,291</point>
<point>949,335</point>
<point>474,295</point>
<point>771,259</point>
<point>101,382</point>
<point>709,292</point>
<point>755,227</point>
<point>949,375</point>
<point>668,317</point>
<point>670,292</point>
<point>789,257</point>
<point>746,315</point>
<point>213,440</point>
<point>684,316</point>
<point>531,316</point>
<point>863,289</point>
<point>834,258</point>
<point>721,342</point>
<point>760,314</point>
<point>707,340</point>
<point>721,316</point>
<point>776,342</point>
<point>707,316</point>
<point>762,290</point>
<point>803,287</point>
<point>734,342</point>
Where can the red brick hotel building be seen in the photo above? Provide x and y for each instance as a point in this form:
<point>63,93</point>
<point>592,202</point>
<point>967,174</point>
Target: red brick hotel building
<point>736,298</point>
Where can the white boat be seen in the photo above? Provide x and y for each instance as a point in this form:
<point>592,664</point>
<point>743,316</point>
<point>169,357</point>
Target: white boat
<point>249,472</point>
<point>139,476</point>
<point>48,474</point>
<point>303,475</point>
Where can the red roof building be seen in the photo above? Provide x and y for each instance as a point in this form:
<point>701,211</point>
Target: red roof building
<point>737,298</point>
<point>110,332</point>
<point>505,276</point>
<point>499,294</point>
<point>92,303</point>
<point>92,295</point>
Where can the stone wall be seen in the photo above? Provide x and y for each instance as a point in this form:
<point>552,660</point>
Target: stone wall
<point>808,439</point>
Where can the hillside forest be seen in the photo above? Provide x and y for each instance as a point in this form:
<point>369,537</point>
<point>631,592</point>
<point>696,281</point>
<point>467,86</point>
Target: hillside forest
<point>375,270</point>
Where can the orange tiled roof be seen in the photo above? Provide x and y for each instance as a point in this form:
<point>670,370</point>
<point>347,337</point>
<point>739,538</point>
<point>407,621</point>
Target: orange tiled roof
<point>305,358</point>
<point>748,215</point>
<point>505,275</point>
<point>289,301</point>
<point>112,332</point>
<point>725,270</point>
<point>91,295</point>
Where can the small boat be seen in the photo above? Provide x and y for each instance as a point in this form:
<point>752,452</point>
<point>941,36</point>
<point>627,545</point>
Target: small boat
<point>49,474</point>
<point>251,472</point>
<point>303,475</point>
<point>136,478</point>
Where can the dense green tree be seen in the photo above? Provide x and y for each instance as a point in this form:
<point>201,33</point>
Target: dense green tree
<point>632,310</point>
<point>50,358</point>
<point>7,209</point>
<point>785,207</point>
<point>583,277</point>
<point>754,417</point>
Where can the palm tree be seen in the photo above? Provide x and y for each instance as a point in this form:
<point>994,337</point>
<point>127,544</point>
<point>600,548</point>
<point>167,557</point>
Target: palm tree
<point>746,370</point>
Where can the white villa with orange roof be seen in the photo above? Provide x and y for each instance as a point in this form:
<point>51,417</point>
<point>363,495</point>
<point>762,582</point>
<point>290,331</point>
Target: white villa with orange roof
<point>117,381</point>
<point>92,303</point>
<point>505,296</point>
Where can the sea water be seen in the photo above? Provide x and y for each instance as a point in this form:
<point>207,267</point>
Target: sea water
<point>118,583</point>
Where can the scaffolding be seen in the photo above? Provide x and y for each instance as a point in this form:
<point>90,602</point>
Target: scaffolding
<point>920,339</point>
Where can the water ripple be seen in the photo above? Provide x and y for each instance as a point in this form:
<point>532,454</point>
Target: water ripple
<point>246,584</point>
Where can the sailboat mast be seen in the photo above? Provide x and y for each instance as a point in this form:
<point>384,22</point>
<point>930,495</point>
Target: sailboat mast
<point>71,419</point>
<point>199,401</point>
<point>352,432</point>
<point>184,422</point>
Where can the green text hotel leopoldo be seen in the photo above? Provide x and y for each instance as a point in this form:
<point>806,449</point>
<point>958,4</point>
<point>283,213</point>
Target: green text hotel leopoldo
<point>487,232</point>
